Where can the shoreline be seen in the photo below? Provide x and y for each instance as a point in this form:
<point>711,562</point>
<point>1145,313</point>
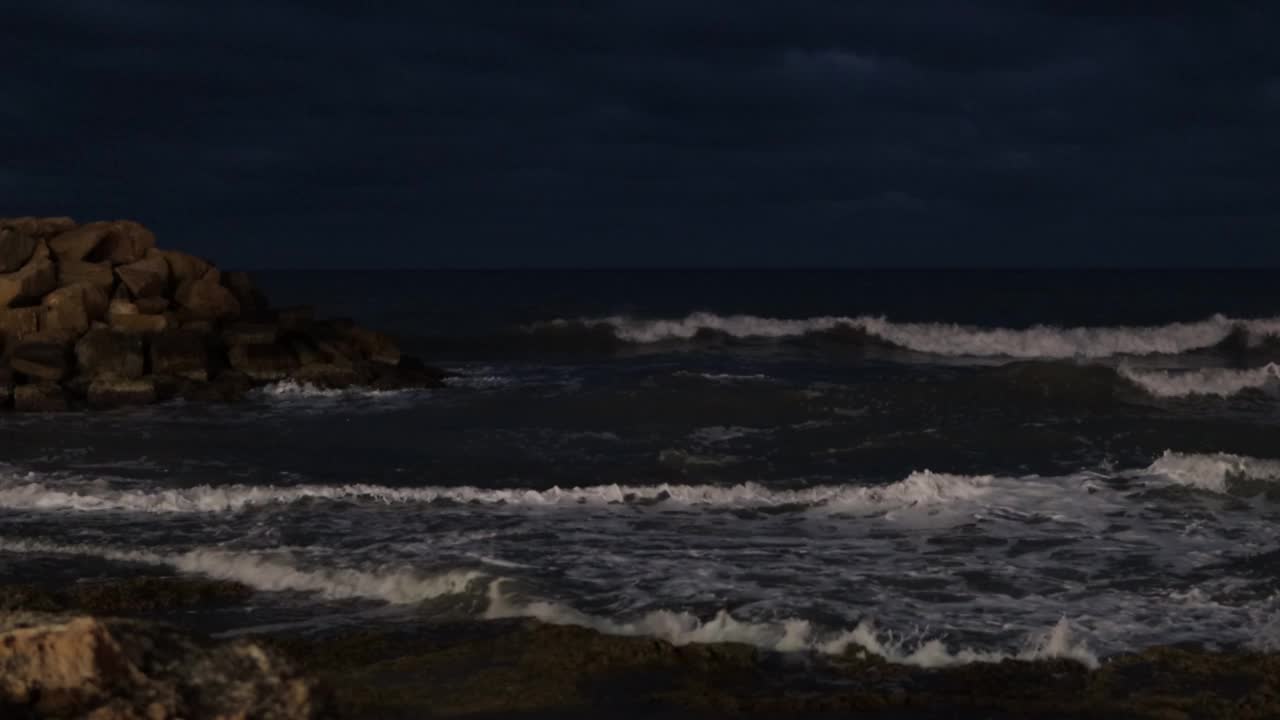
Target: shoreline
<point>527,668</point>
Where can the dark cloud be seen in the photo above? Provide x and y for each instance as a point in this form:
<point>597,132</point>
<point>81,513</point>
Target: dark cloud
<point>654,133</point>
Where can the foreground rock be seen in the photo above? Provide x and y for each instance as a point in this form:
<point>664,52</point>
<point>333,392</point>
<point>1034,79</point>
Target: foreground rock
<point>80,666</point>
<point>96,316</point>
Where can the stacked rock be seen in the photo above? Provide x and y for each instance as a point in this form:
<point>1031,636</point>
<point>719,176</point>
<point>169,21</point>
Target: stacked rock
<point>97,316</point>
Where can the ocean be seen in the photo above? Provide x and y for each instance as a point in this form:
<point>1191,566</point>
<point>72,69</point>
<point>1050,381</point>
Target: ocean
<point>935,467</point>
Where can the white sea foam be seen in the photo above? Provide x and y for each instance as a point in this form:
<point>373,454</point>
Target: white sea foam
<point>1221,382</point>
<point>789,635</point>
<point>294,390</point>
<point>1040,341</point>
<point>1212,472</point>
<point>920,488</point>
<point>277,572</point>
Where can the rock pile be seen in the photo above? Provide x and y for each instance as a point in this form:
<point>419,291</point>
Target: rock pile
<point>81,666</point>
<point>97,316</point>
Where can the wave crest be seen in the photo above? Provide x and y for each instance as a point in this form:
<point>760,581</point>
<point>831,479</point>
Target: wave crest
<point>1221,382</point>
<point>1213,472</point>
<point>949,339</point>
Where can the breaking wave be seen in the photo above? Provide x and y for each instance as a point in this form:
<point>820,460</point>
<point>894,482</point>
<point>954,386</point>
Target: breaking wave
<point>789,635</point>
<point>26,492</point>
<point>1040,341</point>
<point>275,572</point>
<point>1215,472</point>
<point>1221,382</point>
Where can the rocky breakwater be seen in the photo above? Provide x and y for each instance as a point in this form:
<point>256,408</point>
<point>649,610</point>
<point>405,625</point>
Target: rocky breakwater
<point>98,316</point>
<point>85,667</point>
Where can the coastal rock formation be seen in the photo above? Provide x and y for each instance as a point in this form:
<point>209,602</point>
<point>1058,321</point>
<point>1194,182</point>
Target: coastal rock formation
<point>97,316</point>
<point>81,666</point>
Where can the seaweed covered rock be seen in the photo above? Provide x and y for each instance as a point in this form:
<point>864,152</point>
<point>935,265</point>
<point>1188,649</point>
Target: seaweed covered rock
<point>82,666</point>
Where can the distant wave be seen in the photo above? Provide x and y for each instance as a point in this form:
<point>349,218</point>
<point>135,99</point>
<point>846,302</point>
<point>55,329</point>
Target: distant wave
<point>1221,382</point>
<point>1213,472</point>
<point>1040,341</point>
<point>276,572</point>
<point>26,492</point>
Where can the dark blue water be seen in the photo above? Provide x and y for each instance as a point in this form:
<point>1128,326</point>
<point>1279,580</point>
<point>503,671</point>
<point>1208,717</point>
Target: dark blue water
<point>934,466</point>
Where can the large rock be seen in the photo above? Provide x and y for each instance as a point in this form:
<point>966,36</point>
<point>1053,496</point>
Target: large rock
<point>38,397</point>
<point>205,299</point>
<point>127,242</point>
<point>139,324</point>
<point>152,305</point>
<point>145,278</point>
<point>183,268</point>
<point>79,243</point>
<point>40,228</point>
<point>376,346</point>
<point>84,667</point>
<point>70,310</point>
<point>263,363</point>
<point>18,323</point>
<point>245,333</point>
<point>110,353</point>
<point>327,376</point>
<point>76,272</point>
<point>42,356</point>
<point>29,283</point>
<point>15,249</point>
<point>253,304</point>
<point>107,392</point>
<point>180,353</point>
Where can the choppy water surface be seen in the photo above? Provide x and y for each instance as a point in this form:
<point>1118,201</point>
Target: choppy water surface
<point>1030,471</point>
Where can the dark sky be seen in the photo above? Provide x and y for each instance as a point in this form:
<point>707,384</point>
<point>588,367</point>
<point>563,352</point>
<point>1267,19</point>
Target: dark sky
<point>654,132</point>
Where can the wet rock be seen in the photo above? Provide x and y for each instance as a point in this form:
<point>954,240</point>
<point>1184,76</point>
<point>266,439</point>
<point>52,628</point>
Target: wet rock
<point>180,353</point>
<point>99,275</point>
<point>40,228</point>
<point>110,353</point>
<point>106,392</point>
<point>80,666</point>
<point>264,363</point>
<point>146,278</point>
<point>327,376</point>
<point>15,249</point>
<point>205,299</point>
<point>39,397</point>
<point>42,357</point>
<point>27,285</point>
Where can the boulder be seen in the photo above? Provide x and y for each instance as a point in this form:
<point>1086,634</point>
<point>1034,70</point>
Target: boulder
<point>145,278</point>
<point>41,228</point>
<point>151,305</point>
<point>253,304</point>
<point>85,667</point>
<point>36,397</point>
<point>79,243</point>
<point>328,376</point>
<point>15,249</point>
<point>30,283</point>
<point>376,346</point>
<point>296,317</point>
<point>107,392</point>
<point>110,353</point>
<point>183,268</point>
<point>245,333</point>
<point>42,356</point>
<point>18,323</point>
<point>76,272</point>
<point>333,340</point>
<point>66,310</point>
<point>263,363</point>
<point>205,299</point>
<point>138,323</point>
<point>126,242</point>
<point>180,353</point>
